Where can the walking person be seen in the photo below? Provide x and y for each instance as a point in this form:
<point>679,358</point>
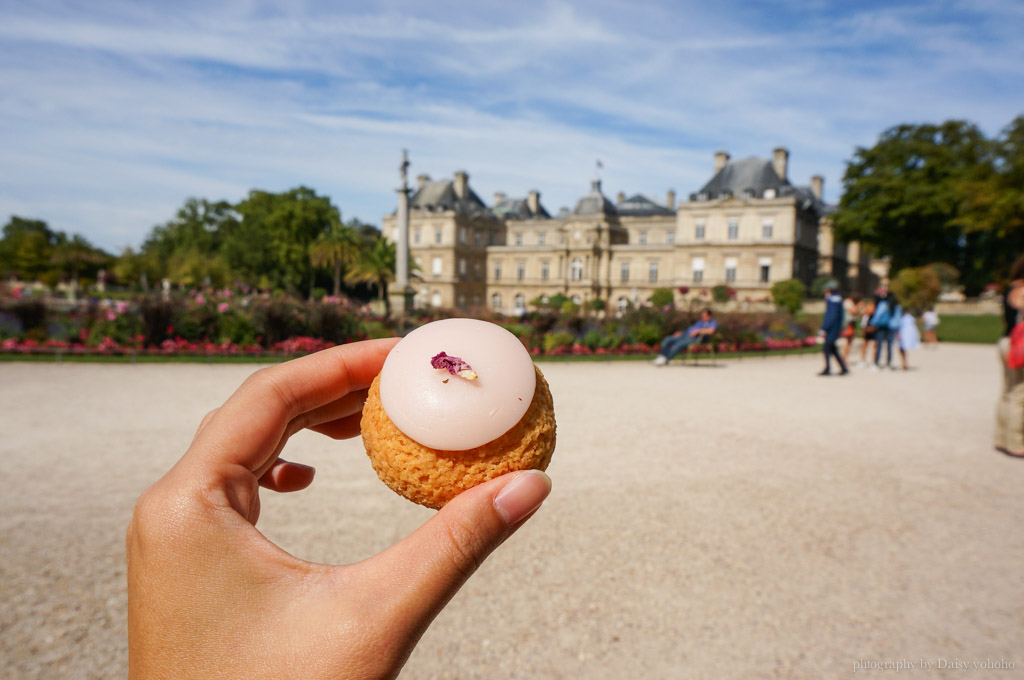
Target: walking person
<point>853,309</point>
<point>831,327</point>
<point>1010,407</point>
<point>867,309</point>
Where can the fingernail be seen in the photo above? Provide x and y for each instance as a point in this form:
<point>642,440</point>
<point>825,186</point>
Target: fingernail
<point>522,495</point>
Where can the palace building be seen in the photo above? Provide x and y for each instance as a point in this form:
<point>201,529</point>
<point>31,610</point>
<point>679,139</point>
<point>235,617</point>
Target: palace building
<point>747,228</point>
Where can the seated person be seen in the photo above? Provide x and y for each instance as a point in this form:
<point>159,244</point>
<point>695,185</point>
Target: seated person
<point>679,341</point>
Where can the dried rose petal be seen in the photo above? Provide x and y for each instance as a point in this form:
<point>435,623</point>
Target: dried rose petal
<point>453,365</point>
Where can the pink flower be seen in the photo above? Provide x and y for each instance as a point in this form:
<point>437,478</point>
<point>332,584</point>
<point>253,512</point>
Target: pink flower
<point>222,307</point>
<point>111,315</point>
<point>200,299</point>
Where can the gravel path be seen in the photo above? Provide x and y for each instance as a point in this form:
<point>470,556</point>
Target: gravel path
<point>745,521</point>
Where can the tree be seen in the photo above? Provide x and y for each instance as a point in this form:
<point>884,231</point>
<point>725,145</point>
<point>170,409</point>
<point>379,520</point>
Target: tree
<point>337,248</point>
<point>26,249</point>
<point>75,255</point>
<point>911,196</point>
<point>916,288</point>
<point>272,240</point>
<point>376,265</point>
<point>191,243</point>
<point>788,295</point>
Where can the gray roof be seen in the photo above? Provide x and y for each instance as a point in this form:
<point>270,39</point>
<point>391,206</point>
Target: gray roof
<point>440,196</point>
<point>595,202</point>
<point>641,206</point>
<point>748,175</point>
<point>518,209</point>
<point>755,176</point>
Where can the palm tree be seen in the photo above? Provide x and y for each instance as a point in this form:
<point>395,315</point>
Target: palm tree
<point>376,265</point>
<point>337,248</point>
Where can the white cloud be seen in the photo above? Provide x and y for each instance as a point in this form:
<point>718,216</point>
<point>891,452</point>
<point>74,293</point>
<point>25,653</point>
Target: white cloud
<point>114,115</point>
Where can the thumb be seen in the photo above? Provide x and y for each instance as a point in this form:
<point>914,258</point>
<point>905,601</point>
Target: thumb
<point>428,567</point>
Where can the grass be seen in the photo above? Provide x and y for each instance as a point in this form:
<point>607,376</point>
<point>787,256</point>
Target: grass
<point>979,328</point>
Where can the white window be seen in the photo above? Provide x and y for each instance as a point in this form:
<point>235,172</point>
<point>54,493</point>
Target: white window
<point>734,228</point>
<point>769,193</point>
<point>496,301</point>
<point>416,235</point>
<point>435,299</point>
<point>767,227</point>
<point>625,271</point>
<point>478,238</point>
<point>437,235</point>
<point>462,266</point>
<point>652,272</point>
<point>518,239</point>
<point>541,238</point>
<point>545,271</point>
<point>477,268</point>
<point>642,238</point>
<point>436,266</point>
<point>730,269</point>
<point>520,303</point>
<point>670,237</point>
<point>622,303</point>
<point>576,299</point>
<point>764,265</point>
<point>497,271</point>
<point>520,271</point>
<point>697,264</point>
<point>699,230</point>
<point>462,235</point>
<point>460,300</point>
<point>576,272</point>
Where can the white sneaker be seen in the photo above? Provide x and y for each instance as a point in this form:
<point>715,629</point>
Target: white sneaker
<point>659,361</point>
<point>874,368</point>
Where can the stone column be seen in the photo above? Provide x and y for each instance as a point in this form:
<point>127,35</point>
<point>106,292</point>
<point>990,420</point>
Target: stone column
<point>402,293</point>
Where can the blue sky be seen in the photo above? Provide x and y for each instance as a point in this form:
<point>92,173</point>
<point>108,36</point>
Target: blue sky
<point>112,114</point>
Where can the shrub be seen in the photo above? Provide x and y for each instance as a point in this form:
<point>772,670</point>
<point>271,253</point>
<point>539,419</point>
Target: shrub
<point>558,340</point>
<point>158,318</point>
<point>788,295</point>
<point>720,293</point>
<point>329,322</point>
<point>662,297</point>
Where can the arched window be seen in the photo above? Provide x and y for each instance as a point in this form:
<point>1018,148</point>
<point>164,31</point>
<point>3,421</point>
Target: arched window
<point>496,301</point>
<point>435,299</point>
<point>576,270</point>
<point>520,303</point>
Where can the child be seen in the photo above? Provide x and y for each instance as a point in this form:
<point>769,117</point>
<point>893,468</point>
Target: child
<point>910,338</point>
<point>931,322</point>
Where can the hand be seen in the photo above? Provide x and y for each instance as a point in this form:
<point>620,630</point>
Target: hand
<point>209,596</point>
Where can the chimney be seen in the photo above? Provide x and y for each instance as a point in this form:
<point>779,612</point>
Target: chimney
<point>670,200</point>
<point>721,158</point>
<point>461,184</point>
<point>817,186</point>
<point>780,159</point>
<point>533,202</point>
<point>499,197</point>
<point>620,197</point>
<point>421,180</point>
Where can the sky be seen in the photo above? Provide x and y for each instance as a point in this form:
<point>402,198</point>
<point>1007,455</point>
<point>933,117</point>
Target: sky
<point>113,113</point>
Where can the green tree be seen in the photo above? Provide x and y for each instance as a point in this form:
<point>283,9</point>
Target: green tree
<point>75,256</point>
<point>908,195</point>
<point>337,248</point>
<point>26,249</point>
<point>916,288</point>
<point>376,265</point>
<point>788,295</point>
<point>274,236</point>
<point>192,240</point>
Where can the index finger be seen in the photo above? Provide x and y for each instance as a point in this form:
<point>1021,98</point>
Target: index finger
<point>247,429</point>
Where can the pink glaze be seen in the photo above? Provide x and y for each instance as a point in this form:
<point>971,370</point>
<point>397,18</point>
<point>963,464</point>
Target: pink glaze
<point>444,411</point>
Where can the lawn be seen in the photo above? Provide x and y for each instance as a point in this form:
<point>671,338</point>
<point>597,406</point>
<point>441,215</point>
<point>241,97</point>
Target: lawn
<point>981,328</point>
